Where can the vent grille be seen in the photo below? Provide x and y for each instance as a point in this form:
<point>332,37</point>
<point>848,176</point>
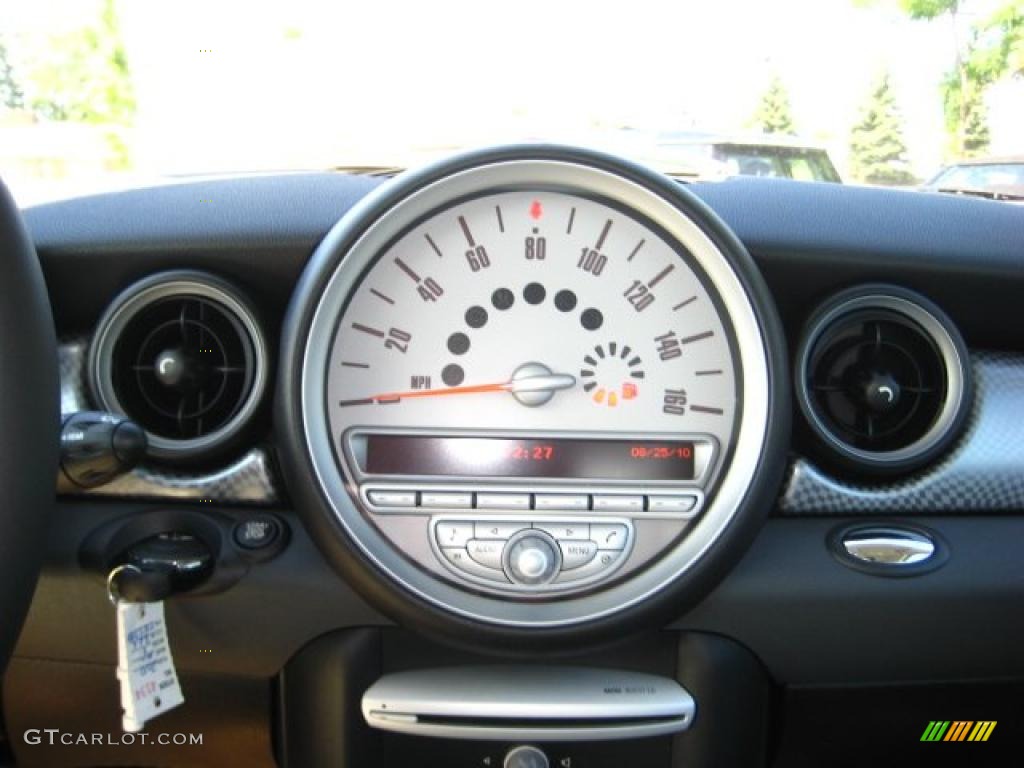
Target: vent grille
<point>183,367</point>
<point>181,354</point>
<point>882,379</point>
<point>878,380</point>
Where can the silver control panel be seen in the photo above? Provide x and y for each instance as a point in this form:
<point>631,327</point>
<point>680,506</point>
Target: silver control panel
<point>532,554</point>
<point>529,539</point>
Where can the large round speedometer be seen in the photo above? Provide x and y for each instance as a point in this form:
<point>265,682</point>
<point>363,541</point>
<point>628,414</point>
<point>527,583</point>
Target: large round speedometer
<point>534,310</point>
<point>533,388</point>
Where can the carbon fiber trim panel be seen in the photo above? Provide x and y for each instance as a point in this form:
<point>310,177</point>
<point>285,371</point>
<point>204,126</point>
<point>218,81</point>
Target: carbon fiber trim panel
<point>249,480</point>
<point>74,395</point>
<point>982,472</point>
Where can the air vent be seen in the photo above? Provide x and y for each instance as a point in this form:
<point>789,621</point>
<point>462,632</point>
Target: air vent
<point>181,353</point>
<point>882,378</point>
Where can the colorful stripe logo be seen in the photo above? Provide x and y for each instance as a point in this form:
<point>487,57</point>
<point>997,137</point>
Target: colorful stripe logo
<point>958,730</point>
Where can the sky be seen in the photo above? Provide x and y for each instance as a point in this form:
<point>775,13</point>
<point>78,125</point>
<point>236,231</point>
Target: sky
<point>224,85</point>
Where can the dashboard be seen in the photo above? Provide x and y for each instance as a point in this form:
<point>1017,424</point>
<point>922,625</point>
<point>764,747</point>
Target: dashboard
<point>536,403</point>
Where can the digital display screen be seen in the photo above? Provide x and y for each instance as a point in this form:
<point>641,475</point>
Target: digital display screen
<point>510,457</point>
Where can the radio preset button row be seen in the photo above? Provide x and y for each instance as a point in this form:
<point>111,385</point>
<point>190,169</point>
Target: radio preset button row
<point>677,504</point>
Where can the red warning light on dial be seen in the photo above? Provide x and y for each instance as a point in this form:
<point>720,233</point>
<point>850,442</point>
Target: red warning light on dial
<point>536,210</point>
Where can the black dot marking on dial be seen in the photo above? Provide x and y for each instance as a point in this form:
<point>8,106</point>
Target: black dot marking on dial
<point>592,319</point>
<point>458,343</point>
<point>534,293</point>
<point>453,375</point>
<point>565,301</point>
<point>503,298</point>
<point>476,317</point>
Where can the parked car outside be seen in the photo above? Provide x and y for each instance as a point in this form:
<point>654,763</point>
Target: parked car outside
<point>754,155</point>
<point>998,178</point>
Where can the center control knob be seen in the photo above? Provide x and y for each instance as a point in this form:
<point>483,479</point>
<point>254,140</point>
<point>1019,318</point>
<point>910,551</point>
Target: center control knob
<point>531,558</point>
<point>525,757</point>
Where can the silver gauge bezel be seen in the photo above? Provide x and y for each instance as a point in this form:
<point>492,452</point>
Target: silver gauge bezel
<point>734,480</point>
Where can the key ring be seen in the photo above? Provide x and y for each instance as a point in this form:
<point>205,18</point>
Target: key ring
<point>113,594</point>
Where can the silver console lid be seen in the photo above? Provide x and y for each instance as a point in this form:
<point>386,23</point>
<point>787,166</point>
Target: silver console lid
<point>531,703</point>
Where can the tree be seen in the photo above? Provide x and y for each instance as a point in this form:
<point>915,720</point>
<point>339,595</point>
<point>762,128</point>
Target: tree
<point>956,87</point>
<point>976,133</point>
<point>11,95</point>
<point>997,48</point>
<point>991,50</point>
<point>877,150</point>
<point>774,115</point>
<point>87,77</point>
<point>963,95</point>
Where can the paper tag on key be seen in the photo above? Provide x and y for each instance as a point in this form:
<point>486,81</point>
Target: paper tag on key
<point>145,669</point>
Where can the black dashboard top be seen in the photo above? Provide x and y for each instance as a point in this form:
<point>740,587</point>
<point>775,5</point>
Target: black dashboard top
<point>809,239</point>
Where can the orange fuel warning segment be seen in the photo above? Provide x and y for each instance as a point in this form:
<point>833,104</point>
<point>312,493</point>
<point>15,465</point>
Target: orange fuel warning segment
<point>629,391</point>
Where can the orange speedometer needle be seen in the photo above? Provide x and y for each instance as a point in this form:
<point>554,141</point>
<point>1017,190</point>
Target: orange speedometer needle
<point>468,390</point>
<point>520,384</point>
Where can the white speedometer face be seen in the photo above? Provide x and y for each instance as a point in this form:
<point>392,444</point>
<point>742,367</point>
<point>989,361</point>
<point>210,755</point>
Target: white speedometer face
<point>534,311</point>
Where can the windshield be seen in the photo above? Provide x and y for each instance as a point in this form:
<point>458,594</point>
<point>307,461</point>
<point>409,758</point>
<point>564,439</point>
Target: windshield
<point>102,94</point>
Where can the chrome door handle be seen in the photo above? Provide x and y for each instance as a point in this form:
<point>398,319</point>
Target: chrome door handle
<point>888,546</point>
